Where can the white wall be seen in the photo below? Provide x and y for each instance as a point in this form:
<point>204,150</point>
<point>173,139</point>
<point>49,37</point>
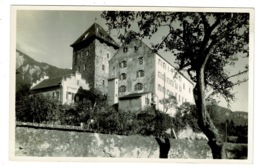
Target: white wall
<point>72,84</point>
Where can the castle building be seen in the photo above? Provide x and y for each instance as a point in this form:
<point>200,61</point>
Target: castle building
<point>138,77</point>
<point>91,53</point>
<point>61,89</point>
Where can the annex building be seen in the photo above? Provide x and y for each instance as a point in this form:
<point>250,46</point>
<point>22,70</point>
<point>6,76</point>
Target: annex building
<point>63,89</point>
<point>138,77</point>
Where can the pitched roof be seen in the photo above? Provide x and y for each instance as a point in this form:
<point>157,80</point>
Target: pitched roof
<point>133,95</point>
<point>95,32</point>
<point>51,82</point>
<point>48,83</point>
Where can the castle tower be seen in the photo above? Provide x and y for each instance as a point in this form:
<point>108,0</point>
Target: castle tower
<point>91,53</point>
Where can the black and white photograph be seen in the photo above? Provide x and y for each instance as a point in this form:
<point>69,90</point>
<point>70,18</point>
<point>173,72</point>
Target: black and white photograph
<point>134,83</point>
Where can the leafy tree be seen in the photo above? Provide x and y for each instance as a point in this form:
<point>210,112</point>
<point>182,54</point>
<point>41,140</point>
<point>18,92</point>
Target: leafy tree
<point>203,43</point>
<point>170,102</point>
<point>34,108</point>
<point>186,116</point>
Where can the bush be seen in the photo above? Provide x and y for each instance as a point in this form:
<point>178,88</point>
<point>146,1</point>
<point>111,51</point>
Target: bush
<point>35,108</point>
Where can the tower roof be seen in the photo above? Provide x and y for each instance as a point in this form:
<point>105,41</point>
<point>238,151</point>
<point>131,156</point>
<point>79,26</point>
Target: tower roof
<point>95,32</point>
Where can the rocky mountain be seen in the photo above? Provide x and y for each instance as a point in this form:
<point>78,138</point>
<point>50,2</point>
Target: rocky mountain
<point>29,70</point>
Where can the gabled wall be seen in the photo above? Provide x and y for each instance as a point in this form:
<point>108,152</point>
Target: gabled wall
<point>132,59</point>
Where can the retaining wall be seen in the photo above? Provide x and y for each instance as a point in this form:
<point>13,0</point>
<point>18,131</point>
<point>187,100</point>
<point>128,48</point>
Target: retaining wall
<point>62,143</point>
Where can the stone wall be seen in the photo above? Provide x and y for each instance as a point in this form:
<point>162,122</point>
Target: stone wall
<point>84,62</point>
<point>54,143</point>
<point>103,53</point>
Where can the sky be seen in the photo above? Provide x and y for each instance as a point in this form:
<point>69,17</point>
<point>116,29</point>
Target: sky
<point>46,36</point>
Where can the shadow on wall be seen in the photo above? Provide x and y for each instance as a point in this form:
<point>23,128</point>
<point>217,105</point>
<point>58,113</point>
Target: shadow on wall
<point>164,147</point>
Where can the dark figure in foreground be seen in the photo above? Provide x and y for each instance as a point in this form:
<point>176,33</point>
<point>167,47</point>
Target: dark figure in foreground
<point>164,147</point>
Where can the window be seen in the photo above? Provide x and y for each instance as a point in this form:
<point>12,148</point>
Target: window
<point>123,64</point>
<point>164,66</point>
<point>147,101</point>
<point>171,82</point>
<point>122,76</point>
<point>183,86</point>
<point>85,67</point>
<point>180,88</point>
<point>79,68</point>
<point>159,62</point>
<point>171,70</point>
<point>69,96</point>
<point>75,60</point>
<point>125,49</point>
<point>78,82</point>
<point>122,89</point>
<point>189,90</point>
<point>159,87</point>
<point>103,82</point>
<point>136,48</point>
<point>57,95</point>
<point>53,95</point>
<point>82,54</point>
<point>139,86</point>
<point>140,73</point>
<point>103,67</point>
<point>159,74</point>
<point>87,53</point>
<point>107,55</point>
<point>114,67</point>
<point>180,78</point>
<point>176,86</point>
<point>141,60</point>
<point>78,55</point>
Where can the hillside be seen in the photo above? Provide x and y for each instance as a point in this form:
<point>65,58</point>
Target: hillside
<point>29,70</point>
<point>221,115</point>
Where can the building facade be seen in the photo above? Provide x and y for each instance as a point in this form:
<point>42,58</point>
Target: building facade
<point>61,89</point>
<point>91,53</point>
<point>143,77</point>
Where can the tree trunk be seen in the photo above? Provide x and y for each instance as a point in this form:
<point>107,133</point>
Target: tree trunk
<point>215,140</point>
<point>164,147</point>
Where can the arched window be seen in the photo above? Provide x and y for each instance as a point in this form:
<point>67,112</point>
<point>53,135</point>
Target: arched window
<point>139,86</point>
<point>123,64</point>
<point>122,89</point>
<point>136,48</point>
<point>140,73</point>
<point>125,49</point>
<point>141,60</point>
<point>122,76</point>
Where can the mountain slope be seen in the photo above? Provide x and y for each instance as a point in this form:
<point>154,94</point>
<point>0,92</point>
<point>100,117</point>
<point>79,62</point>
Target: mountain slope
<point>221,115</point>
<point>28,70</point>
